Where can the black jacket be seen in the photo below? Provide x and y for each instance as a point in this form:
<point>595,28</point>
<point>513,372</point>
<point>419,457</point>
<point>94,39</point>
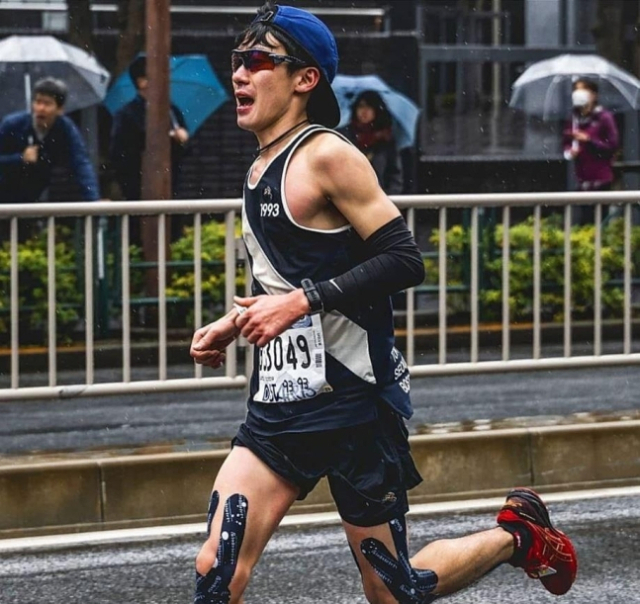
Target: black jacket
<point>128,136</point>
<point>63,144</point>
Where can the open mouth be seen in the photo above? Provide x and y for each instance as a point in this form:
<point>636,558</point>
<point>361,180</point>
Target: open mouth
<point>244,101</point>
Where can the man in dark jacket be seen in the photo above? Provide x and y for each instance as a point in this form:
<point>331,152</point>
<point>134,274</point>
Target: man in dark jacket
<point>128,135</point>
<point>33,142</point>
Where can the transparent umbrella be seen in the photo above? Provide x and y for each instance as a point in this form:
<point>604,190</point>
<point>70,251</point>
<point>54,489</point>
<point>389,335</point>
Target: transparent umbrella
<point>544,88</point>
<point>25,59</point>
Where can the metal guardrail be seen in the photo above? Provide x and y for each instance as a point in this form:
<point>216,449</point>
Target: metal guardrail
<point>61,6</point>
<point>230,208</point>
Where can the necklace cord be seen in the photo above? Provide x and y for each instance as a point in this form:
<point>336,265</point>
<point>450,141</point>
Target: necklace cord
<point>260,150</point>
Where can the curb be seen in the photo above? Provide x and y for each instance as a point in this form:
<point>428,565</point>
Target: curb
<point>292,522</point>
<point>150,490</point>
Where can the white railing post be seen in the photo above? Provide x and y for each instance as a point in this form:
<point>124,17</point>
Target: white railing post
<point>125,268</point>
<point>537,279</point>
<point>506,273</point>
<point>597,283</point>
<point>411,302</point>
<point>51,300</point>
<point>15,325</point>
<point>474,284</point>
<point>88,297</point>
<point>627,279</point>
<point>442,288</point>
<point>567,281</point>
<point>162,297</point>
<point>197,276</point>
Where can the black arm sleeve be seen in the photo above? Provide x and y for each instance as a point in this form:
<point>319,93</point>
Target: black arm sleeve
<point>394,264</point>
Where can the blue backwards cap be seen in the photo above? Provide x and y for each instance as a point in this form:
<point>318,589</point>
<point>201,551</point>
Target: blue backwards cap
<point>318,41</point>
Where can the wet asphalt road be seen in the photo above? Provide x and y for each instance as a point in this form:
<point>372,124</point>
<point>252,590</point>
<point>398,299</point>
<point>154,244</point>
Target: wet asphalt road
<point>314,566</point>
<point>198,420</point>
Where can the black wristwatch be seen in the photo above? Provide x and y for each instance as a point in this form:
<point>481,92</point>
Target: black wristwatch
<point>313,295</point>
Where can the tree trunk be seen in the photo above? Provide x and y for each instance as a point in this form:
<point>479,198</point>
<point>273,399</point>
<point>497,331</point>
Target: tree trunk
<point>131,19</point>
<point>80,24</point>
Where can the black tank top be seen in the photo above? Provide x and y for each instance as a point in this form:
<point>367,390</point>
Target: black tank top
<point>362,364</point>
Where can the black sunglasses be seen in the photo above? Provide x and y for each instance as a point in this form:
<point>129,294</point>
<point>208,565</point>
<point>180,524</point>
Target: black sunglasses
<point>260,60</point>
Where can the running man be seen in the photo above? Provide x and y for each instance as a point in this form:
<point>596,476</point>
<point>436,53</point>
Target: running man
<point>330,392</point>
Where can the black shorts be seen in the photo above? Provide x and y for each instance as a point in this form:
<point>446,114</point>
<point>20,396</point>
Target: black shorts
<point>369,466</point>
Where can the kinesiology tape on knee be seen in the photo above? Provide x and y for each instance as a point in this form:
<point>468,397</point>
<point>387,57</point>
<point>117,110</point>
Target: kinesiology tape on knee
<point>394,263</point>
<point>407,585</point>
<point>213,588</point>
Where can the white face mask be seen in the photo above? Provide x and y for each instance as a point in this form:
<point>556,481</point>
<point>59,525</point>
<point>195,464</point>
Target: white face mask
<point>581,97</point>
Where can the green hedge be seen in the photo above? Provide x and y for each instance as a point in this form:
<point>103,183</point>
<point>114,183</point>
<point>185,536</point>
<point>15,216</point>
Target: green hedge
<point>32,286</point>
<point>552,268</point>
<point>32,281</point>
<point>181,277</point>
<point>33,264</point>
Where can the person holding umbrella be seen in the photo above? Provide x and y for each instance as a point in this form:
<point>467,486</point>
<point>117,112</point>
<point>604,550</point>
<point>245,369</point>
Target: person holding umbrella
<point>128,134</point>
<point>590,138</point>
<point>33,142</point>
<point>329,391</point>
<point>370,129</point>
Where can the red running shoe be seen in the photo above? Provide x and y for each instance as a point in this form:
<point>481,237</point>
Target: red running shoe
<point>551,557</point>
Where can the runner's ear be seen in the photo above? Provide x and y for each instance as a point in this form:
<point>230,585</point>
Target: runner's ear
<point>309,77</point>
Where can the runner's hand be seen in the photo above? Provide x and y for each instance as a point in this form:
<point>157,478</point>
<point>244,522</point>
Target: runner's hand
<point>267,317</point>
<point>210,341</point>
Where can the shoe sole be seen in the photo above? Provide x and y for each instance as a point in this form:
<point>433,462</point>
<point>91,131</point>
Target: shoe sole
<point>534,500</point>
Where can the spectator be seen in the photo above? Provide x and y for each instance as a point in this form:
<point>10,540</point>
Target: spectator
<point>591,138</point>
<point>33,142</point>
<point>370,130</point>
<point>128,135</point>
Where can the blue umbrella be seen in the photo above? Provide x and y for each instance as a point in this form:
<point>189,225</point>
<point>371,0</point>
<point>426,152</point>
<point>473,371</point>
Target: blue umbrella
<point>195,90</point>
<point>403,110</point>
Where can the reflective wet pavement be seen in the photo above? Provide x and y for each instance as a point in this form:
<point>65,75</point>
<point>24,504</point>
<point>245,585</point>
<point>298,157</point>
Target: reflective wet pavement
<point>205,420</point>
<point>314,566</point>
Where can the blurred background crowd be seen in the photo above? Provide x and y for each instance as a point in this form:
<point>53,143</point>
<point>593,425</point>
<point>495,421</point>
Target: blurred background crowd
<point>455,61</point>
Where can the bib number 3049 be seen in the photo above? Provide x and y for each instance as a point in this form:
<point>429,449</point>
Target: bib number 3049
<point>292,366</point>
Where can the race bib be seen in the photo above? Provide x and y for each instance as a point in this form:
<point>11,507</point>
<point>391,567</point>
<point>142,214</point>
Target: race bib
<point>292,367</point>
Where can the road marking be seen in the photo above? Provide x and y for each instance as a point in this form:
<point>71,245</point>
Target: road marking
<point>153,533</point>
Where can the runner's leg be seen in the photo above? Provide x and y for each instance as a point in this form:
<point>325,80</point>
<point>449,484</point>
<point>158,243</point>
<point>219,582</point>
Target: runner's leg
<point>456,563</point>
<point>374,589</point>
<point>268,497</point>
<point>460,562</point>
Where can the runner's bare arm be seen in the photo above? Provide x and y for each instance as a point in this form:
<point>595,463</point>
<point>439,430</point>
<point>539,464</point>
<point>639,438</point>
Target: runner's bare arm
<point>393,260</point>
<point>209,342</point>
<point>345,176</point>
